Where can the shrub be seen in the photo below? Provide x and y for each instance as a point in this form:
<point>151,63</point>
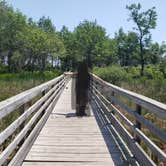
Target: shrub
<point>113,74</point>
<point>153,72</point>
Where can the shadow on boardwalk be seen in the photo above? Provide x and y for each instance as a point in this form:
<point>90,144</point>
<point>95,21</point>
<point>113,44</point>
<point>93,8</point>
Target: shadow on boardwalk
<point>110,140</point>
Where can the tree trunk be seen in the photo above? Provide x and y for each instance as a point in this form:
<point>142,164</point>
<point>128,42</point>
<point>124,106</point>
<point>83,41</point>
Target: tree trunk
<point>10,61</point>
<point>142,58</point>
<point>43,62</point>
<point>52,59</point>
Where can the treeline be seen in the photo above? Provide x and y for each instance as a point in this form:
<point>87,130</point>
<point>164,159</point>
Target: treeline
<point>25,44</point>
<point>28,45</point>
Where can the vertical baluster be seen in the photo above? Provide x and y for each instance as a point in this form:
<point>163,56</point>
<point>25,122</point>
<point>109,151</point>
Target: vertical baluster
<point>138,124</point>
<point>43,93</point>
<point>21,111</point>
<point>111,98</point>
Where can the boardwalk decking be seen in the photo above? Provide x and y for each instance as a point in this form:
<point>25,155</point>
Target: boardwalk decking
<point>69,140</point>
<point>53,135</point>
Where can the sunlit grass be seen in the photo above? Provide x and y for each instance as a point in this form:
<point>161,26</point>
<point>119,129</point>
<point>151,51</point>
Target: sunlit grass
<point>14,83</point>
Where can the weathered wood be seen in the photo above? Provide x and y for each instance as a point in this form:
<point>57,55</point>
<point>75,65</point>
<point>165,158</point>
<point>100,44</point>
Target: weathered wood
<point>14,102</point>
<point>4,155</point>
<point>13,126</point>
<point>68,138</point>
<point>156,150</point>
<point>83,163</point>
<point>145,122</point>
<point>141,156</point>
<point>122,147</point>
<point>139,134</point>
<point>65,137</point>
<point>152,105</point>
<point>137,123</point>
<point>21,154</point>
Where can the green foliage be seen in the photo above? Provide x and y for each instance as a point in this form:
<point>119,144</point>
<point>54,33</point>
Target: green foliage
<point>14,83</point>
<point>152,84</point>
<point>153,72</point>
<point>90,37</point>
<point>70,56</point>
<point>162,66</point>
<point>28,45</point>
<point>113,74</point>
<point>145,21</point>
<point>127,45</point>
<point>46,24</point>
<point>29,75</point>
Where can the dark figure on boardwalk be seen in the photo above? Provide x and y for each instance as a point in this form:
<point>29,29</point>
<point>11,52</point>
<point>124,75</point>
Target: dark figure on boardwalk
<point>82,87</point>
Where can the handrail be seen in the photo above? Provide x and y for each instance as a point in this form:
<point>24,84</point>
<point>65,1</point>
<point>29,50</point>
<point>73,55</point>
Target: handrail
<point>9,105</point>
<point>35,117</point>
<point>106,97</point>
<point>148,103</point>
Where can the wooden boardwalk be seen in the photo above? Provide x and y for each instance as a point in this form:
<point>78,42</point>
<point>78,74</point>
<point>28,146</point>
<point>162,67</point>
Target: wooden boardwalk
<point>69,140</point>
<point>58,137</point>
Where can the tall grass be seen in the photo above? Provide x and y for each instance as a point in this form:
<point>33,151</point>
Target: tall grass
<point>152,84</point>
<point>13,83</point>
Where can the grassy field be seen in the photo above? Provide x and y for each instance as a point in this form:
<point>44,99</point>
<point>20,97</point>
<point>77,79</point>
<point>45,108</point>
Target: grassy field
<point>14,83</point>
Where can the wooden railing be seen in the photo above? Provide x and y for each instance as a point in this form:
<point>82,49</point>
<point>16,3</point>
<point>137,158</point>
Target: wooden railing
<point>129,122</point>
<point>17,138</point>
<point>122,109</point>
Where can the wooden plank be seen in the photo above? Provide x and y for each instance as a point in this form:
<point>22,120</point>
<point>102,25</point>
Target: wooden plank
<point>120,145</point>
<point>145,122</point>
<point>21,154</point>
<point>140,155</point>
<point>14,102</point>
<point>71,149</point>
<point>71,140</point>
<point>4,155</point>
<point>156,150</point>
<point>152,105</point>
<point>75,158</point>
<point>13,126</point>
<point>78,156</point>
<point>85,163</point>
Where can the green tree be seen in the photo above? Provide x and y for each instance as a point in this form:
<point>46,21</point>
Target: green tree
<point>27,45</point>
<point>70,58</point>
<point>127,44</point>
<point>120,37</point>
<point>11,24</point>
<point>163,49</point>
<point>109,53</point>
<point>46,24</point>
<point>154,53</point>
<point>89,37</point>
<point>145,21</point>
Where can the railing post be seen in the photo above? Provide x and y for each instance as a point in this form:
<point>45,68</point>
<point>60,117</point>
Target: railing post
<point>21,111</point>
<point>112,96</point>
<point>138,124</point>
<point>43,93</point>
<point>111,99</point>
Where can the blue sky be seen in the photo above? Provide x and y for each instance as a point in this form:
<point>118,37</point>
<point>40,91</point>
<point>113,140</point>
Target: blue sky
<point>111,14</point>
